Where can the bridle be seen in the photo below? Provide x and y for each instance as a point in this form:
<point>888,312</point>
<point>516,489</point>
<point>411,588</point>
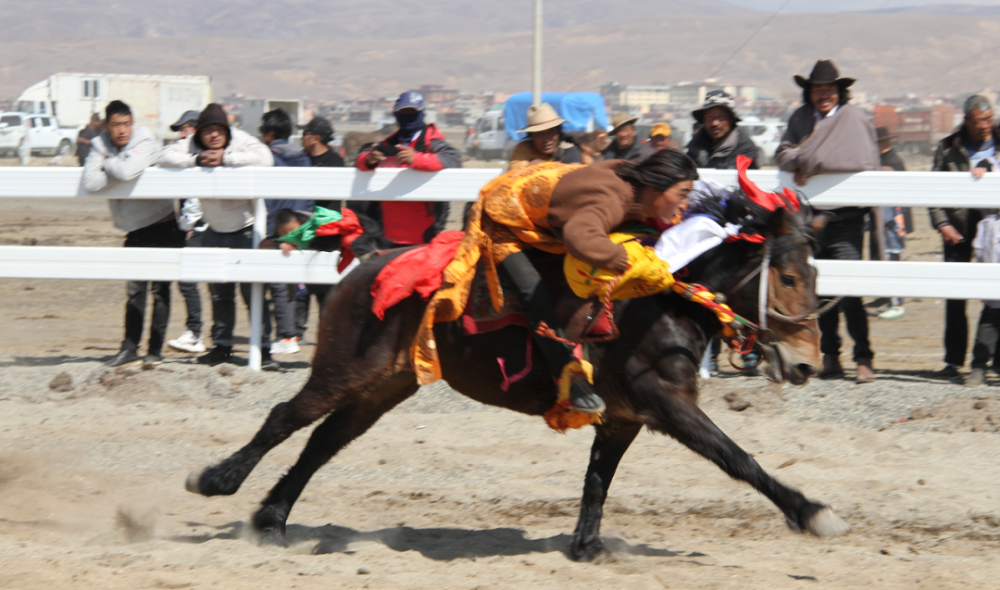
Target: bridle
<point>767,307</point>
<point>765,296</point>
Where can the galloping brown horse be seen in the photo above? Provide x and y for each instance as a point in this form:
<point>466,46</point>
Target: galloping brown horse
<point>648,376</point>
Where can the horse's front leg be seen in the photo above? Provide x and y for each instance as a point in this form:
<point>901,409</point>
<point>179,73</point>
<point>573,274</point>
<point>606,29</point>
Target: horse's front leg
<point>610,443</point>
<point>677,414</point>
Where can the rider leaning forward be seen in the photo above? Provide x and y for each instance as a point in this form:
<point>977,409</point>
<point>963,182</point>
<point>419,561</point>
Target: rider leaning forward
<point>557,208</point>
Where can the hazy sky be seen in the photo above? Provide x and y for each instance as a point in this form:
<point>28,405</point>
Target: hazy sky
<point>843,5</point>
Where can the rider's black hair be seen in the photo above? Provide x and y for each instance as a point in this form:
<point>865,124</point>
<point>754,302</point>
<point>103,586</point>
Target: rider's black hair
<point>277,122</point>
<point>116,107</point>
<point>662,170</point>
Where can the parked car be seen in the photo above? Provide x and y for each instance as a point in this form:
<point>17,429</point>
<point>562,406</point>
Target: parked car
<point>41,132</point>
<point>766,135</point>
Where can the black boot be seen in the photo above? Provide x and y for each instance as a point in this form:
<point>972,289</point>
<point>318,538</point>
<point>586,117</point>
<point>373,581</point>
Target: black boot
<point>217,356</point>
<point>266,362</point>
<point>584,397</point>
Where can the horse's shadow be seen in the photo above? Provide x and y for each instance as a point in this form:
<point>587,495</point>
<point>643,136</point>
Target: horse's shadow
<point>440,544</point>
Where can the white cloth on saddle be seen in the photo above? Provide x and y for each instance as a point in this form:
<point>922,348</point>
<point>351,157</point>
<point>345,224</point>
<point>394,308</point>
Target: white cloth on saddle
<point>691,238</point>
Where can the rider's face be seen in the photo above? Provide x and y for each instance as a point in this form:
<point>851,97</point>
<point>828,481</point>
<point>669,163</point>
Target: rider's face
<point>665,205</point>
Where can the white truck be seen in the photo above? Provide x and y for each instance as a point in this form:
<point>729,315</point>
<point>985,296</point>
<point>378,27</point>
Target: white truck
<point>39,133</point>
<point>156,101</point>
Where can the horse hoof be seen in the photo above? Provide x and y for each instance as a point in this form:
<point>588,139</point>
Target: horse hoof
<point>826,523</point>
<point>272,536</point>
<point>192,482</point>
<point>586,552</point>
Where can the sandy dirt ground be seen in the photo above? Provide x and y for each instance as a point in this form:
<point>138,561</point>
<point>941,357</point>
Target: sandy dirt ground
<point>444,493</point>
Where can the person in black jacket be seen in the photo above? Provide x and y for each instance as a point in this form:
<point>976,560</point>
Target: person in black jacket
<point>719,140</point>
<point>967,150</point>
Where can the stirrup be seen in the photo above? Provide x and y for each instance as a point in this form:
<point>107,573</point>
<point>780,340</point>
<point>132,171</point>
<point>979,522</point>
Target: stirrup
<point>584,397</point>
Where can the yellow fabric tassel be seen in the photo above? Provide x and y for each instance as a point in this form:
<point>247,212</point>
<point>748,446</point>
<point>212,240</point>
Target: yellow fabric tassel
<point>563,415</point>
<point>646,274</point>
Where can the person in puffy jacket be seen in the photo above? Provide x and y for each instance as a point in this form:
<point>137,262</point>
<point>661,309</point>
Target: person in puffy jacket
<point>419,146</point>
<point>230,222</point>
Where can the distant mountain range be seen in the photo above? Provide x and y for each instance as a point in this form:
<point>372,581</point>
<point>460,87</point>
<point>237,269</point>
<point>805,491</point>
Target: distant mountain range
<point>381,47</point>
<point>366,19</point>
<point>943,9</point>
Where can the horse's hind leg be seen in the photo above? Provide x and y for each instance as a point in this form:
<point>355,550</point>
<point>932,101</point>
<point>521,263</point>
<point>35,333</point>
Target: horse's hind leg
<point>679,416</point>
<point>333,434</point>
<point>225,478</point>
<point>610,444</point>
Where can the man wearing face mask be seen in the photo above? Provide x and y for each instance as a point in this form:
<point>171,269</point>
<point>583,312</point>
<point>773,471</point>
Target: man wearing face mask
<point>719,140</point>
<point>418,146</point>
<point>828,136</point>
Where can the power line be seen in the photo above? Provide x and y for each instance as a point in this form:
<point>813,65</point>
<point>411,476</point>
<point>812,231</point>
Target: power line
<point>750,38</point>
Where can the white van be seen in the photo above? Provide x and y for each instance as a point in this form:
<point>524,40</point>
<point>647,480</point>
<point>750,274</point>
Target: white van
<point>489,140</point>
<point>766,135</point>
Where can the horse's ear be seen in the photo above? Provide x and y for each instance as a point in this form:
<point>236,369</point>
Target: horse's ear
<point>819,222</point>
<point>779,222</point>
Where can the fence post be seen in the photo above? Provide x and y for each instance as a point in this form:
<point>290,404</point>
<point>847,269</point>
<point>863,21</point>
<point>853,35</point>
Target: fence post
<point>257,289</point>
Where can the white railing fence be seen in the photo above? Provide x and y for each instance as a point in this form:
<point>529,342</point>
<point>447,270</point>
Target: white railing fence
<point>901,279</point>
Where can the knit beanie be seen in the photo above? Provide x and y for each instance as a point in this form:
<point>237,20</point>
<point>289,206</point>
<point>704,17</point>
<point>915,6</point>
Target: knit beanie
<point>213,113</point>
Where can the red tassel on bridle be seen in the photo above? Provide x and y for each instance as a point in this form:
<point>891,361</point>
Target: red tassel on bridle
<point>768,200</point>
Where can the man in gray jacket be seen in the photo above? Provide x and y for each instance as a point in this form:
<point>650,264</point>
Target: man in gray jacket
<point>230,222</point>
<point>120,153</point>
<point>826,135</point>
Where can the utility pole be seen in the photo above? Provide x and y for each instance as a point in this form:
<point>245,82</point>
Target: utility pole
<point>536,86</point>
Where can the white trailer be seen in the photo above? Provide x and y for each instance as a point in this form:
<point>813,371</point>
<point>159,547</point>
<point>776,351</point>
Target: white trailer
<point>254,109</point>
<point>156,101</point>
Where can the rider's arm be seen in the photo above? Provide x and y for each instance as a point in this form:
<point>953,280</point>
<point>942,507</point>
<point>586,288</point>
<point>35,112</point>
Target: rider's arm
<point>586,238</point>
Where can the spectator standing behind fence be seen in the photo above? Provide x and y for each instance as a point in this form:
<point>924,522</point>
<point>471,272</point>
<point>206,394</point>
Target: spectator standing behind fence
<point>987,247</point>
<point>893,227</point>
<point>545,141</point>
<point>120,153</point>
<point>230,222</point>
<point>828,135</point>
<point>418,146</point>
<point>316,137</point>
<point>719,140</point>
<point>190,221</point>
<point>716,145</point>
<point>961,151</point>
<point>87,134</point>
<point>659,136</point>
<point>275,129</point>
<point>624,146</point>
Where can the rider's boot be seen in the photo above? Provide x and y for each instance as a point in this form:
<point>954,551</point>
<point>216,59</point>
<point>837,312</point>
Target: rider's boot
<point>535,296</point>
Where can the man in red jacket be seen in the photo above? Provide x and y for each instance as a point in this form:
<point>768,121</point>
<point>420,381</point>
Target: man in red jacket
<point>418,146</point>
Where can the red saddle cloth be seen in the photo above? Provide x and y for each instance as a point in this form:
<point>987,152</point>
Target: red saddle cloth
<point>421,270</point>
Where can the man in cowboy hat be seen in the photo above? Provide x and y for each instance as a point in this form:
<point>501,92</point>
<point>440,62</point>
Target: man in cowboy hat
<point>625,147</point>
<point>827,135</point>
<point>545,141</point>
<point>719,140</point>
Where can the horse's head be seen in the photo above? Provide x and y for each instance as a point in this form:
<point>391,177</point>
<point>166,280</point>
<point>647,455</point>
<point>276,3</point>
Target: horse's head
<point>776,244</point>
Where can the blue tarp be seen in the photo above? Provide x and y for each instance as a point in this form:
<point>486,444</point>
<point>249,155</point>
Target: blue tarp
<point>578,108</point>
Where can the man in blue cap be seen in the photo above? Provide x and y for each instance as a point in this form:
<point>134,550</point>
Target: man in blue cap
<point>419,146</point>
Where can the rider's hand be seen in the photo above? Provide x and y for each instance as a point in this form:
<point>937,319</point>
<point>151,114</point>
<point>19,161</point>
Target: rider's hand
<point>801,178</point>
<point>287,248</point>
<point>406,155</point>
<point>977,173</point>
<point>950,234</point>
<point>374,158</point>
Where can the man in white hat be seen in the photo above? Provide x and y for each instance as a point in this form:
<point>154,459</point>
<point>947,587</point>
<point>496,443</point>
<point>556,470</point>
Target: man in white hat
<point>545,141</point>
<point>625,147</point>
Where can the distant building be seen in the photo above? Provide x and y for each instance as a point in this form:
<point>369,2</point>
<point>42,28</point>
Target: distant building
<point>642,97</point>
<point>437,94</point>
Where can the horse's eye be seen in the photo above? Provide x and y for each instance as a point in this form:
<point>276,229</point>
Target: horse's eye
<point>788,281</point>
